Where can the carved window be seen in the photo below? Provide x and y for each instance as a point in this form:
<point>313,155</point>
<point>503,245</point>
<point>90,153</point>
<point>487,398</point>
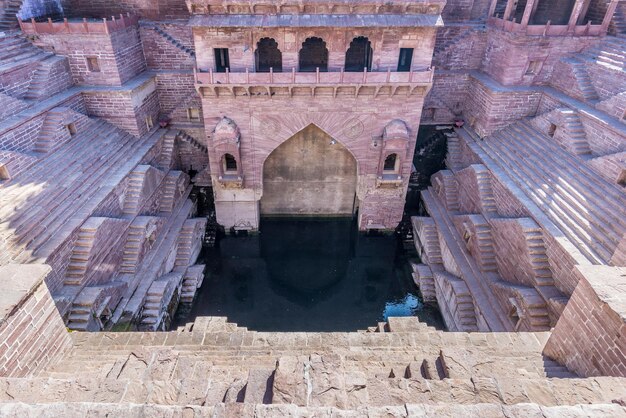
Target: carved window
<point>552,130</point>
<point>313,55</point>
<point>359,55</point>
<point>230,164</point>
<point>149,122</point>
<point>71,128</point>
<point>534,67</point>
<point>93,64</point>
<point>222,60</point>
<point>405,60</point>
<point>267,55</point>
<point>391,164</point>
<point>193,113</point>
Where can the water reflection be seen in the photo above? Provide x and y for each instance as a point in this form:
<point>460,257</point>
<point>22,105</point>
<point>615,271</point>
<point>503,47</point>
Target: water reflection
<point>309,275</point>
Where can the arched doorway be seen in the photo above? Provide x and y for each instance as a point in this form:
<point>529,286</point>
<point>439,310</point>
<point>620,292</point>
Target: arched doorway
<point>359,55</point>
<point>310,174</point>
<point>267,55</point>
<point>313,55</point>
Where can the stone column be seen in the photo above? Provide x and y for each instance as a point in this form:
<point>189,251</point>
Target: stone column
<point>528,11</point>
<point>573,19</point>
<point>509,9</point>
<point>492,8</point>
<point>609,15</point>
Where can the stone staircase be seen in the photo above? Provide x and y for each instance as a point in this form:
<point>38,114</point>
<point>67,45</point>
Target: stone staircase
<point>167,199</point>
<point>38,85</point>
<point>453,159</point>
<point>16,50</point>
<point>157,306</point>
<point>487,257</point>
<point>79,260</point>
<point>459,306</point>
<point>217,364</point>
<point>485,191</point>
<point>192,280</point>
<point>188,249</point>
<point>583,205</point>
<point>575,133</point>
<point>538,257</point>
<point>132,248</point>
<point>185,137</point>
<point>8,19</point>
<point>610,53</point>
<point>174,42</point>
<point>35,223</point>
<point>583,79</point>
<point>425,281</point>
<point>133,192</point>
<point>50,130</point>
<point>166,158</point>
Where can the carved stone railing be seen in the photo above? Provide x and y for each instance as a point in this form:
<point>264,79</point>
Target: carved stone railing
<point>245,83</point>
<point>79,27</point>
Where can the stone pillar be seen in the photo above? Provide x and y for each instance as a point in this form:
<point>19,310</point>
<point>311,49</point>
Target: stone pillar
<point>492,8</point>
<point>609,15</point>
<point>573,19</point>
<point>509,9</point>
<point>528,11</point>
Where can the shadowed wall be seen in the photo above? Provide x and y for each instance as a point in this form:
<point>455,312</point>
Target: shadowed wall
<point>307,175</point>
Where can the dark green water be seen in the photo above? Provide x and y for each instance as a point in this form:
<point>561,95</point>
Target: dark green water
<point>309,275</point>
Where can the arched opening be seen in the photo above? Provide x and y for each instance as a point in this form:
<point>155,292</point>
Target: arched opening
<point>359,55</point>
<point>309,174</point>
<point>313,55</point>
<point>391,164</point>
<point>229,164</point>
<point>267,55</point>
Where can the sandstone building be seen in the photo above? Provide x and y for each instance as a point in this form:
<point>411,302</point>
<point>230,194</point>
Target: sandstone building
<point>113,112</point>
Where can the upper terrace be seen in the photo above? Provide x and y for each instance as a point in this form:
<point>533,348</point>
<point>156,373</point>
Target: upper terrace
<point>541,18</point>
<point>315,7</point>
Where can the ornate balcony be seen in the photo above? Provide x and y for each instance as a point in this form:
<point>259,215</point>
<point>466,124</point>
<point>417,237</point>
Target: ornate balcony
<point>211,84</point>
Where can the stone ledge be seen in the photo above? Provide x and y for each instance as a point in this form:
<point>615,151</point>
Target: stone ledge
<point>19,281</point>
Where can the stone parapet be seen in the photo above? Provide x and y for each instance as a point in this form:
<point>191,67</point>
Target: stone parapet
<point>85,26</point>
<point>314,7</point>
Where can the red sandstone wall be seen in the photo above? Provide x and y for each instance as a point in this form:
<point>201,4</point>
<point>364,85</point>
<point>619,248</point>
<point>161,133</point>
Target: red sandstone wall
<point>488,108</point>
<point>162,54</point>
<point>22,137</point>
<point>602,138</point>
<point>589,336</point>
<point>176,91</point>
<point>507,55</point>
<point>125,109</point>
<point>16,82</point>
<point>154,9</point>
<point>32,334</point>
<point>446,97</point>
<point>128,53</point>
<point>460,47</point>
<point>120,55</point>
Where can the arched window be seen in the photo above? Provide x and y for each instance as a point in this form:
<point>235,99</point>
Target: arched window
<point>313,54</point>
<point>229,164</point>
<point>391,163</point>
<point>267,55</point>
<point>359,55</point>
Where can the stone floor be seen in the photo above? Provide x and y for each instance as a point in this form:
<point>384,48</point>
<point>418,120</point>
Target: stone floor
<point>401,368</point>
